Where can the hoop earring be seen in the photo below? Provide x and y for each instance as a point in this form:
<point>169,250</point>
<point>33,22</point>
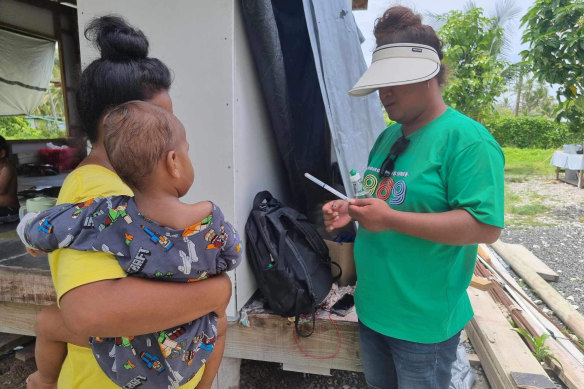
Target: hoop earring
<point>428,84</point>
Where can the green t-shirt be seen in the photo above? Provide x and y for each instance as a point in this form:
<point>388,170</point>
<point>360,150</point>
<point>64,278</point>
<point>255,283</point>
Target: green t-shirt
<point>410,288</point>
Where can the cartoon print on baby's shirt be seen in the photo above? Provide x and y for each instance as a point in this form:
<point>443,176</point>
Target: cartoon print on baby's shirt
<point>115,214</point>
<point>189,257</point>
<point>79,208</point>
<point>198,227</point>
<point>156,238</point>
<point>168,344</point>
<point>216,241</point>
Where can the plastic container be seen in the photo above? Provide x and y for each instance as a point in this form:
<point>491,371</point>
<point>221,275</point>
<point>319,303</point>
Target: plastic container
<point>37,204</point>
<point>63,159</point>
<point>357,183</point>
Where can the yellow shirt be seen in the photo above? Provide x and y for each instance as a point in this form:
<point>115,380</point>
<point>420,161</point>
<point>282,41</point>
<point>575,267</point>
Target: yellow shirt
<point>72,268</point>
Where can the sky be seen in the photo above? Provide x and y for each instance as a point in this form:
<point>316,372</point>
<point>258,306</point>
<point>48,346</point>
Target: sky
<point>365,19</point>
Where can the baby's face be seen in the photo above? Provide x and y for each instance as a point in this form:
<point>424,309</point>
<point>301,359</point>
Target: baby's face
<point>187,174</point>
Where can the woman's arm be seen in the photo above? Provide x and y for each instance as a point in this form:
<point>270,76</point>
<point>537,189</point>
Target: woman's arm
<point>456,227</point>
<point>135,306</point>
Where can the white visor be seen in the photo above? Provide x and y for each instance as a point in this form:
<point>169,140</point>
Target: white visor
<point>398,64</point>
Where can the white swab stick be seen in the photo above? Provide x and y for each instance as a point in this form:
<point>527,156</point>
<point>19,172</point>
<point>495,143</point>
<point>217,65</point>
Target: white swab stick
<point>325,186</point>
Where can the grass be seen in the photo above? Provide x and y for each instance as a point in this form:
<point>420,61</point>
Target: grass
<point>528,209</point>
<point>527,162</point>
<point>520,165</point>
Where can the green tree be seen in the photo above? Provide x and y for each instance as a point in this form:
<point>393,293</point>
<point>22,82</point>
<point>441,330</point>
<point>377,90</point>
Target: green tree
<point>503,15</point>
<point>476,76</point>
<point>535,100</point>
<point>553,29</point>
<point>16,127</point>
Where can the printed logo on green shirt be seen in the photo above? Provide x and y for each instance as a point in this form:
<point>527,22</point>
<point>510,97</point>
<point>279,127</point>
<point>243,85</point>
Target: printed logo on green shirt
<point>388,188</point>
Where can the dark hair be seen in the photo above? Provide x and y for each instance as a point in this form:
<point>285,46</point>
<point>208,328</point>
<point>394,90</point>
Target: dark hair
<point>401,25</point>
<point>4,146</point>
<point>124,72</point>
<point>125,129</point>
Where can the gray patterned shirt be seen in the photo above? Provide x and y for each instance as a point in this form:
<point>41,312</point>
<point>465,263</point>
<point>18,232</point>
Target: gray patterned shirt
<point>145,249</point>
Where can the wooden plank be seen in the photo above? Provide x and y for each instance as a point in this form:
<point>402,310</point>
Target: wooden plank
<point>530,260</point>
<point>16,318</point>
<point>500,350</point>
<point>480,283</point>
<point>9,341</point>
<point>228,375</point>
<point>532,381</point>
<point>561,307</point>
<point>26,285</point>
<point>270,338</point>
<point>474,360</point>
<point>569,365</point>
<point>495,377</point>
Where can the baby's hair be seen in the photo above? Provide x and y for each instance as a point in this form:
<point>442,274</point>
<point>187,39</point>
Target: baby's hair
<point>4,146</point>
<point>400,24</point>
<point>137,135</point>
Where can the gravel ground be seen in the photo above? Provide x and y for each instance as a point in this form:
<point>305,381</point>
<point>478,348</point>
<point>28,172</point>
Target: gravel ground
<point>558,241</point>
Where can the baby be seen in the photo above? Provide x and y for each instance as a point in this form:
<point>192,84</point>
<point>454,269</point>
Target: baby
<point>153,235</point>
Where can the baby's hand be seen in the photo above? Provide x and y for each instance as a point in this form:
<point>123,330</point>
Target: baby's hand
<point>34,252</point>
<point>20,230</point>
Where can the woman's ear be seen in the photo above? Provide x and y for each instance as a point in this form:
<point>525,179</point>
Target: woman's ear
<point>172,164</point>
<point>2,154</point>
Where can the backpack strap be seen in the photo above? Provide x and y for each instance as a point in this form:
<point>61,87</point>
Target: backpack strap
<point>314,240</point>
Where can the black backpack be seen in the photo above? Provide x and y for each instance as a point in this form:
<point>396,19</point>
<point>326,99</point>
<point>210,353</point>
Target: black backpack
<point>289,259</point>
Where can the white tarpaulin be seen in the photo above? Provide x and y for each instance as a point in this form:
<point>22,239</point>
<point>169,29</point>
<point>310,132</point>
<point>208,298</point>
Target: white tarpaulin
<point>26,67</point>
<point>355,122</point>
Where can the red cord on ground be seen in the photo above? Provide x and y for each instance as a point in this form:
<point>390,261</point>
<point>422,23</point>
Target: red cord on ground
<point>323,357</point>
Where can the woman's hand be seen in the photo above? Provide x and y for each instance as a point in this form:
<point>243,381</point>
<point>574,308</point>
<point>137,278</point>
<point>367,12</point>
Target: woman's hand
<point>336,214</point>
<point>372,214</point>
<point>134,305</point>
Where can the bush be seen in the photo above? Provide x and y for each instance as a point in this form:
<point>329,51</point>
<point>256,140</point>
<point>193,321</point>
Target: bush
<point>16,127</point>
<point>531,132</point>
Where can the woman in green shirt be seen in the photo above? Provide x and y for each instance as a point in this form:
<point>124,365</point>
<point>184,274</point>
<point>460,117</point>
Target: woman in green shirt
<point>436,180</point>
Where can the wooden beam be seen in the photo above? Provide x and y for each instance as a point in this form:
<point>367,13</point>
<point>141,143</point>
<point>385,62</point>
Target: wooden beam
<point>500,349</point>
<point>228,375</point>
<point>23,31</point>
<point>561,307</point>
<point>480,283</point>
<point>474,360</point>
<point>530,259</point>
<point>569,365</point>
<point>26,285</point>
<point>18,318</point>
<point>270,338</point>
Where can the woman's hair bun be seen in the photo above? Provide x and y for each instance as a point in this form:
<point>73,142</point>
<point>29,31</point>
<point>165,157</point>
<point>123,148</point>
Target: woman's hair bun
<point>116,39</point>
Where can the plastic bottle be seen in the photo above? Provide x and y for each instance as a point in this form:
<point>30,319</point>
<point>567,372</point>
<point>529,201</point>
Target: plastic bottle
<point>360,192</point>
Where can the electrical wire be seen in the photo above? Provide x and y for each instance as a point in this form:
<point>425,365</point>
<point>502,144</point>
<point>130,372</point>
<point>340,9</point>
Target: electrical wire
<point>321,357</point>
